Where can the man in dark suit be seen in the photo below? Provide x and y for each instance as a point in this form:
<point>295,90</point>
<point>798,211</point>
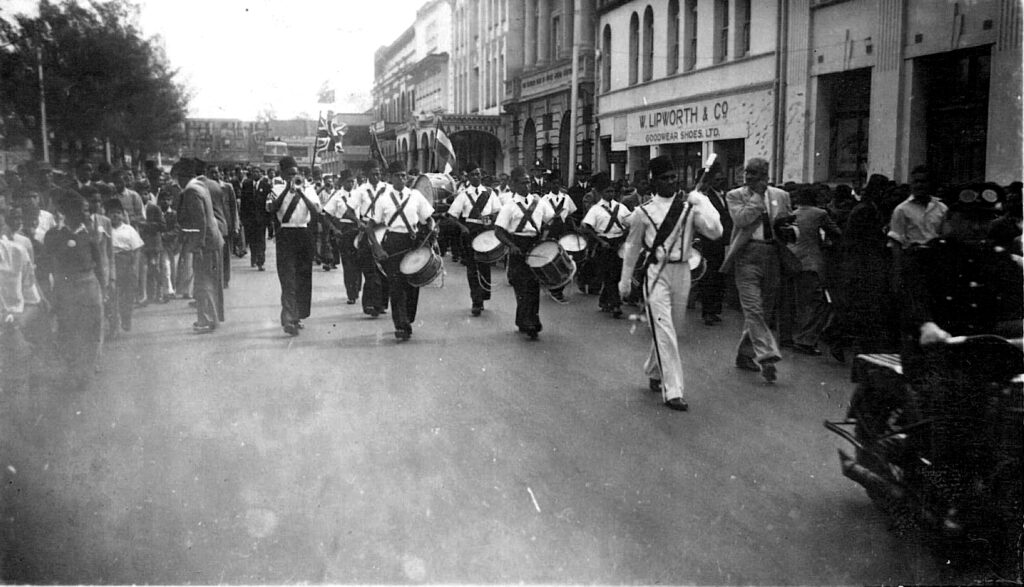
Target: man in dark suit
<point>203,240</point>
<point>711,288</point>
<point>252,209</point>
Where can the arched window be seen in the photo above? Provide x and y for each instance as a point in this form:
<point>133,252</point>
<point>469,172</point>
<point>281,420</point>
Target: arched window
<point>690,26</point>
<point>606,59</point>
<point>722,30</point>
<point>648,44</point>
<point>672,64</point>
<point>634,48</point>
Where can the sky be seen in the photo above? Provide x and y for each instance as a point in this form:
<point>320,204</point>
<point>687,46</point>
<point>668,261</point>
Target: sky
<point>238,58</point>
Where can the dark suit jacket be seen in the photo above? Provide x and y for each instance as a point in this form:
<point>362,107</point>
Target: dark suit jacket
<point>714,250</point>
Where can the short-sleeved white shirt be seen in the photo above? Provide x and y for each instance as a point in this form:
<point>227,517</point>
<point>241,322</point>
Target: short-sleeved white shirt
<point>342,201</point>
<point>467,199</point>
<point>417,211</point>
<point>126,239</point>
<point>511,215</point>
<point>599,216</point>
<point>561,204</point>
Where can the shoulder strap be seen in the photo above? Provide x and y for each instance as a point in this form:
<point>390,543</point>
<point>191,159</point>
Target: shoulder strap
<point>613,220</point>
<point>478,205</point>
<point>291,206</point>
<point>527,216</point>
<point>669,223</point>
<point>400,212</point>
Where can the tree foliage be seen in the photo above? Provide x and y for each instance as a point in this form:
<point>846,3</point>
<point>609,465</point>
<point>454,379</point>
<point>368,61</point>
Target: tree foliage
<point>103,80</point>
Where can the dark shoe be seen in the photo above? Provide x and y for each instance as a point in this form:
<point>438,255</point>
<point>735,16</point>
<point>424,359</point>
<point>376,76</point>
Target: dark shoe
<point>711,319</point>
<point>838,354</point>
<point>605,309</point>
<point>203,328</point>
<point>327,267</point>
<point>654,385</point>
<point>806,349</point>
<point>192,304</point>
<point>403,334</point>
<point>747,364</point>
<point>768,372</point>
<point>531,333</point>
<point>616,313</point>
<point>476,310</point>
<point>351,301</point>
<point>558,297</point>
<point>678,404</point>
<point>371,311</point>
<point>299,324</point>
<point>260,268</point>
<point>786,344</point>
<point>291,329</point>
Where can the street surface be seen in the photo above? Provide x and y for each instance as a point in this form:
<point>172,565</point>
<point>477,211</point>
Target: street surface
<point>466,455</point>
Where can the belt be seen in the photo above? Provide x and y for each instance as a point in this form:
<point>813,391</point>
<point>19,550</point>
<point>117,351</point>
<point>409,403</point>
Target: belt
<point>294,227</point>
<point>762,241</point>
<point>475,221</point>
<point>670,261</point>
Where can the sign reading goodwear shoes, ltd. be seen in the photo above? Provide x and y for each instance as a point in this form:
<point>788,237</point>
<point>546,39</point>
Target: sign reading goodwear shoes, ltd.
<point>684,123</point>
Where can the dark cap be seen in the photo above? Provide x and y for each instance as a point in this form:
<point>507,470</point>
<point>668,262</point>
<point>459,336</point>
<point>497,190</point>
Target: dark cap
<point>471,167</point>
<point>396,167</point>
<point>582,168</point>
<point>660,165</point>
<point>287,162</point>
<point>600,181</point>
<point>538,164</point>
<point>113,205</point>
<point>184,167</point>
<point>345,175</point>
<point>518,172</point>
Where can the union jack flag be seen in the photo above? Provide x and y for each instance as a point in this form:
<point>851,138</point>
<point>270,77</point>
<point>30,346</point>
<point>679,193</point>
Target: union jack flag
<point>329,136</point>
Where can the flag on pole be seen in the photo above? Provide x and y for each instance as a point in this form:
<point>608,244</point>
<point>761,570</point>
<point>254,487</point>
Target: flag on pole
<point>329,136</point>
<point>375,151</point>
<point>443,149</point>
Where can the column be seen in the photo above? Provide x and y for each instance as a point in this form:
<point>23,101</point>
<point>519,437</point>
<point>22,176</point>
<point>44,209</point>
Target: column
<point>543,31</point>
<point>530,39</point>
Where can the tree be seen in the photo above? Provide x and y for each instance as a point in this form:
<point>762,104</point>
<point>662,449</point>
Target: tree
<point>103,80</point>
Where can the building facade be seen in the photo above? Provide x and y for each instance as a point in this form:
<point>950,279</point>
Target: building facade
<point>826,90</point>
<point>538,96</point>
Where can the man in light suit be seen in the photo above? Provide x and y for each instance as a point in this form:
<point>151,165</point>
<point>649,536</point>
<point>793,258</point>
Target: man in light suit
<point>758,213</point>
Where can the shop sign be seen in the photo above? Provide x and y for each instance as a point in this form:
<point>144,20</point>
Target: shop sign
<point>545,81</point>
<point>684,123</point>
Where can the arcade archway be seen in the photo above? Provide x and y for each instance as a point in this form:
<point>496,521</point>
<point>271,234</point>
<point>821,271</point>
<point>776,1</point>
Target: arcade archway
<point>480,147</point>
<point>529,143</point>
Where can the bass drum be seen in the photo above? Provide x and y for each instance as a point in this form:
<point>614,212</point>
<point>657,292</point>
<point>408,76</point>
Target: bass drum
<point>420,266</point>
<point>436,187</point>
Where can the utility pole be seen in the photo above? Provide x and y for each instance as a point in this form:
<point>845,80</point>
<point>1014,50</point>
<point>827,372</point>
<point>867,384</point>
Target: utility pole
<point>577,31</point>
<point>42,106</point>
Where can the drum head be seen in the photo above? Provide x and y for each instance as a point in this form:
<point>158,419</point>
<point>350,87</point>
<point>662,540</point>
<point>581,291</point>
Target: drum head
<point>542,254</point>
<point>436,187</point>
<point>414,261</point>
<point>485,241</point>
<point>694,260</point>
<point>573,243</point>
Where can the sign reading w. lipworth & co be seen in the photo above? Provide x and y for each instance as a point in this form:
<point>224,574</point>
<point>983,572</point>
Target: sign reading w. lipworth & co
<point>706,120</point>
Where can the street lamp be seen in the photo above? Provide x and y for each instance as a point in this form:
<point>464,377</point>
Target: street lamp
<point>42,105</point>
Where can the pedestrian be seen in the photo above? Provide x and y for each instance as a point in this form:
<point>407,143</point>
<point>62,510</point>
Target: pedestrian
<point>131,201</point>
<point>375,285</point>
<point>519,225</point>
<point>342,211</point>
<point>407,216</point>
<point>170,240</point>
<point>225,210</point>
<point>127,245</point>
<point>150,270</point>
<point>606,224</point>
<point>295,205</point>
<point>72,259</point>
<point>812,304</point>
<point>22,313</point>
<point>202,240</point>
<point>711,287</point>
<point>253,212</point>
<point>665,227</point>
<point>755,208</point>
<point>474,208</point>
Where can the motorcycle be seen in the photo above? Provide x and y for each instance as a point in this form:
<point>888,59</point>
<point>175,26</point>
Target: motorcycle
<point>942,450</point>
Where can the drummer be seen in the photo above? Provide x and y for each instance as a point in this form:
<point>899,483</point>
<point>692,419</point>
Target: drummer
<point>475,207</point>
<point>519,225</point>
<point>606,224</point>
<point>406,214</point>
<point>342,210</point>
<point>563,224</point>
<point>375,285</point>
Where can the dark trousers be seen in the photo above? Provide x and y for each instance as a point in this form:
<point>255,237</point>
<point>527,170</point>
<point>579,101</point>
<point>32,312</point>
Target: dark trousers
<point>226,261</point>
<point>295,272</point>
<point>608,268</point>
<point>126,290</point>
<point>526,286</point>
<point>478,275</point>
<point>711,289</point>
<point>256,238</point>
<point>78,305</point>
<point>345,248</point>
<point>209,291</point>
<point>375,286</point>
<point>404,297</point>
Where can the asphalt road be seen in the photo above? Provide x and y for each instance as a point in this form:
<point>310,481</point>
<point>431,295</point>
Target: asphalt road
<point>466,455</point>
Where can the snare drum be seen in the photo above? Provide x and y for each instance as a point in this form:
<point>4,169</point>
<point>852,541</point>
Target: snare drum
<point>551,264</point>
<point>575,245</point>
<point>698,266</point>
<point>420,266</point>
<point>487,248</point>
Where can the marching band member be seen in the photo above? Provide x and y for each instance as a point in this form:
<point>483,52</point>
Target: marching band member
<point>665,227</point>
<point>343,214</point>
<point>519,226</point>
<point>606,224</point>
<point>375,286</point>
<point>475,208</point>
<point>294,204</point>
<point>564,207</point>
<point>406,214</point>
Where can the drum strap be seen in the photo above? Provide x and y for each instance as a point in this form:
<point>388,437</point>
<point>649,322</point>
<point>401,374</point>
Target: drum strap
<point>374,198</point>
<point>400,212</point>
<point>478,204</point>
<point>291,206</point>
<point>527,217</point>
<point>613,220</point>
<point>558,208</point>
<point>667,225</point>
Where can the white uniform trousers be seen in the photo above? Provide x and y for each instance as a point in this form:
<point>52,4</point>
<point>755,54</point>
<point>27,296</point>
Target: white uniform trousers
<point>666,314</point>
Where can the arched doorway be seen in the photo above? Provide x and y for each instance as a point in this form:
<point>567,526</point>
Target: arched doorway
<point>529,143</point>
<point>410,161</point>
<point>564,130</point>
<point>479,147</point>
<point>426,153</point>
